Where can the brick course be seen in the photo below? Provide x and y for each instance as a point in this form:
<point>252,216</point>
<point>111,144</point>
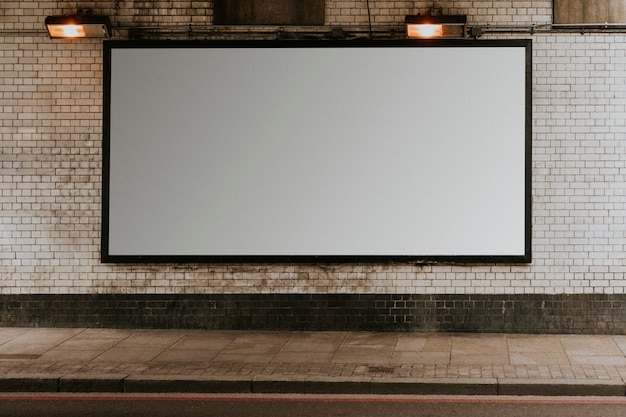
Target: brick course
<point>500,313</point>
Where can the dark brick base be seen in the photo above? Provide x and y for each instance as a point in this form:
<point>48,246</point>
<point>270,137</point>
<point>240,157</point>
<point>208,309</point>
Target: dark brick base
<point>592,314</point>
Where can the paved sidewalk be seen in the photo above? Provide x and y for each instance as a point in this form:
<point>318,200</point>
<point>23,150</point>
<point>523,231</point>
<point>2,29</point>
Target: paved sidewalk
<point>111,360</point>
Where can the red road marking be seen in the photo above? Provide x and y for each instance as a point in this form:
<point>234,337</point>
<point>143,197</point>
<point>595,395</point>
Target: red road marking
<point>311,398</point>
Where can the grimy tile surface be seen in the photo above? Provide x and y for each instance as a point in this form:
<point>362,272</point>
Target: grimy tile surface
<point>227,361</point>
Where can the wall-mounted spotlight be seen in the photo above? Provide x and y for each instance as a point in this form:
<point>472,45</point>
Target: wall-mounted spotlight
<point>78,26</point>
<point>435,27</point>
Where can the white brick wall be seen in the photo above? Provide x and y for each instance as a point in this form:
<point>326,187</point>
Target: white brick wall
<point>50,166</point>
<point>579,104</point>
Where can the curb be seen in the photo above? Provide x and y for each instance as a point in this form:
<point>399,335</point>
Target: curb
<point>186,384</point>
<point>567,387</point>
<point>435,386</point>
<point>308,385</point>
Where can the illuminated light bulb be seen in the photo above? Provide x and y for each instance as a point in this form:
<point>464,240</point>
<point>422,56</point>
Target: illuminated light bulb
<point>425,31</point>
<point>67,31</point>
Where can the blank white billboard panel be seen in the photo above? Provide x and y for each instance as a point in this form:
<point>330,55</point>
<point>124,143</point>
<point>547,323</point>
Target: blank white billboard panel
<point>276,151</point>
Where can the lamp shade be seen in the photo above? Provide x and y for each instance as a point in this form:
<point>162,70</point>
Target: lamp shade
<point>78,26</point>
<point>426,26</point>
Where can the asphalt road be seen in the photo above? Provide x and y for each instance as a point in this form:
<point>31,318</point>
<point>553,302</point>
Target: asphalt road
<point>110,405</point>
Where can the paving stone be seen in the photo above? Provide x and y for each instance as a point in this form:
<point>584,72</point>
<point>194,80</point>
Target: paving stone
<point>543,358</point>
<point>150,339</point>
<point>128,355</point>
<point>590,345</point>
<point>479,345</point>
<point>368,354</point>
<point>478,359</point>
<point>534,344</point>
<point>597,359</point>
<point>442,358</point>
